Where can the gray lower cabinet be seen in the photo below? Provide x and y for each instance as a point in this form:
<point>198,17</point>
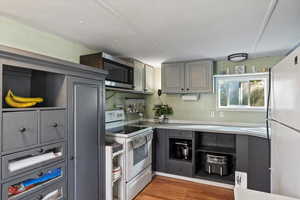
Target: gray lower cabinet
<point>53,126</point>
<point>160,150</point>
<point>20,130</point>
<point>29,176</point>
<point>57,190</point>
<point>253,158</point>
<point>181,168</point>
<point>86,163</point>
<point>258,171</point>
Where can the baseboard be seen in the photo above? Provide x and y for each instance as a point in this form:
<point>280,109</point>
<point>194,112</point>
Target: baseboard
<point>195,180</point>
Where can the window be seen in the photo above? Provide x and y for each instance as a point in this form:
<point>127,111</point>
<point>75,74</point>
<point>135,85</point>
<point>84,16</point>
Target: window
<point>242,92</point>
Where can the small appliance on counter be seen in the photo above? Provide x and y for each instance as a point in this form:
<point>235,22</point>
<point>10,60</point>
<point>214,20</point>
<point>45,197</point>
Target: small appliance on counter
<point>217,164</point>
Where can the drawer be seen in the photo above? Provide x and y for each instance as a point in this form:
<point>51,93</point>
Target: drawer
<point>57,191</point>
<point>181,168</point>
<point>21,162</point>
<point>53,125</point>
<point>27,181</point>
<point>180,134</point>
<point>20,130</point>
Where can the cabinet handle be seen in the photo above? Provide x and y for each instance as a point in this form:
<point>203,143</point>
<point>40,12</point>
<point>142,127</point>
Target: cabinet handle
<point>41,174</point>
<point>187,89</point>
<point>41,150</point>
<point>40,197</point>
<point>182,89</point>
<point>54,125</point>
<point>72,157</point>
<point>22,130</point>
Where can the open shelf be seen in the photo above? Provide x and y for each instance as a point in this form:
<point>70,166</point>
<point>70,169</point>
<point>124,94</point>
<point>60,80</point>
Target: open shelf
<point>229,179</point>
<point>34,83</point>
<point>181,160</point>
<point>215,149</point>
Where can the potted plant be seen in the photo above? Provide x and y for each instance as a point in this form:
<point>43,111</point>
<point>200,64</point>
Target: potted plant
<point>162,111</point>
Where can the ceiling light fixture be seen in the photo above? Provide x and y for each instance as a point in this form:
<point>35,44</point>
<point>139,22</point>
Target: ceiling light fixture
<point>237,57</point>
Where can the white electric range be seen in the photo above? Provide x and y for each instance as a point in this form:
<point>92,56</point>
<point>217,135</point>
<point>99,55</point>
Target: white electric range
<point>137,143</point>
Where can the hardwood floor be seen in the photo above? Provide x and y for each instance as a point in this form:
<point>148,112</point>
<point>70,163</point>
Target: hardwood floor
<point>163,188</point>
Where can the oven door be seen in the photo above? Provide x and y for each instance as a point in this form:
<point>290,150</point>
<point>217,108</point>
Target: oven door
<point>139,154</point>
<point>119,75</point>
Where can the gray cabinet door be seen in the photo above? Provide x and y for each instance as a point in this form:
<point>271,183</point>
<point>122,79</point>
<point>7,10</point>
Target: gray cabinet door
<point>139,78</point>
<point>172,78</point>
<point>86,163</point>
<point>258,169</point>
<point>160,154</point>
<point>20,130</point>
<point>253,158</point>
<point>149,78</point>
<point>53,125</point>
<point>199,76</point>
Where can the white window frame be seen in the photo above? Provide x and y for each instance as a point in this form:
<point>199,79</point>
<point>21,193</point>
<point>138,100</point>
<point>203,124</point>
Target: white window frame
<point>241,77</point>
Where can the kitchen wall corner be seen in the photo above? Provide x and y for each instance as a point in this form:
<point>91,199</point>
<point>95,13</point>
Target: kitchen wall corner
<point>205,108</point>
<point>18,35</point>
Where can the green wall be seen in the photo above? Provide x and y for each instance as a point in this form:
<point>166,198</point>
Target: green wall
<point>18,35</point>
<point>201,110</point>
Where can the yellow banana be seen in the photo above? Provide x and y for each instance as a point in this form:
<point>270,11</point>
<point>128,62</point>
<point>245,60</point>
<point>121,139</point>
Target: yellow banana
<point>25,99</point>
<point>12,103</point>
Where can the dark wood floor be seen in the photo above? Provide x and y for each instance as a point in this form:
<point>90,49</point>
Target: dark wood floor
<point>163,188</point>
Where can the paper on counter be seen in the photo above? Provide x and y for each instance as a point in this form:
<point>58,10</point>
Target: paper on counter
<point>20,164</point>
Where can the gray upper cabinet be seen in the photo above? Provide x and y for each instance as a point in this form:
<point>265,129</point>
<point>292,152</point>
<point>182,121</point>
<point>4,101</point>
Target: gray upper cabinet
<point>189,77</point>
<point>172,78</point>
<point>149,78</point>
<point>198,76</point>
<point>139,76</point>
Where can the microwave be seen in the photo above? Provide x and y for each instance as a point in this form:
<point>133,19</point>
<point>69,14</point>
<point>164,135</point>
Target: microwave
<point>120,71</point>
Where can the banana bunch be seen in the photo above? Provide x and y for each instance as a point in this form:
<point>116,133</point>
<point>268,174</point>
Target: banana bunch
<point>21,102</point>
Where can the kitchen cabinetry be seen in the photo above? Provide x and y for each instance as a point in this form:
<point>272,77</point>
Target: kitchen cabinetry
<point>176,162</point>
<point>139,76</point>
<point>87,141</point>
<point>159,157</point>
<point>149,78</point>
<point>40,140</point>
<point>188,77</point>
<point>253,158</point>
<point>244,153</point>
<point>198,76</point>
<point>143,77</point>
<point>172,78</point>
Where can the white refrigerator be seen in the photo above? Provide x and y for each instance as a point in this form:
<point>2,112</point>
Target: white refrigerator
<point>285,126</point>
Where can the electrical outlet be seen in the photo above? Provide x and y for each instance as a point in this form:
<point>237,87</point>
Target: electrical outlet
<point>241,179</point>
<point>221,114</point>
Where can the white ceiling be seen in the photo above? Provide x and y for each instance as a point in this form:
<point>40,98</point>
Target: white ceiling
<point>155,31</point>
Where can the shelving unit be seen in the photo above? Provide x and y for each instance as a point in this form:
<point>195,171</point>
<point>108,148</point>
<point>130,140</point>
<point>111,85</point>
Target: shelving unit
<point>215,144</point>
<point>34,83</point>
<point>30,135</point>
